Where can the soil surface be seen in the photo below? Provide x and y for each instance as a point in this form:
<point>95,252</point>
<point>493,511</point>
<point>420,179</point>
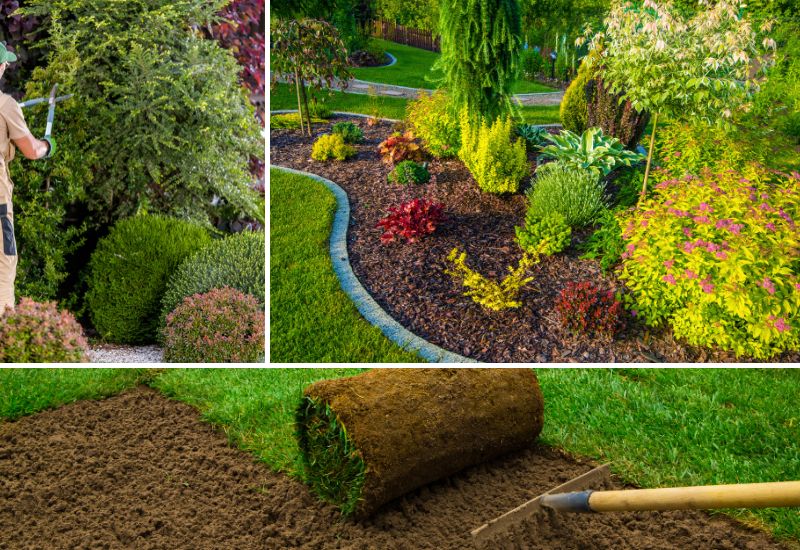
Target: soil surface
<point>141,471</point>
<point>408,281</point>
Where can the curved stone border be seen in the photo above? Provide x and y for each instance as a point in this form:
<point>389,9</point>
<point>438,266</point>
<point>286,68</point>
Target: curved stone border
<point>366,305</point>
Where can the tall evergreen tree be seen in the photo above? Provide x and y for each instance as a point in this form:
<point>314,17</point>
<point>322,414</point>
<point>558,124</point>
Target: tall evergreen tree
<point>480,53</point>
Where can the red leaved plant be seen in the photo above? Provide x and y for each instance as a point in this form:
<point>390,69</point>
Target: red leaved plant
<point>223,325</point>
<point>39,333</point>
<point>413,220</point>
<point>582,307</point>
<point>399,147</point>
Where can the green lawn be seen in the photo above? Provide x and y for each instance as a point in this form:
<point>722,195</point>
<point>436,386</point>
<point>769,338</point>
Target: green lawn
<point>311,319</point>
<point>659,427</point>
<point>413,69</point>
<point>283,97</point>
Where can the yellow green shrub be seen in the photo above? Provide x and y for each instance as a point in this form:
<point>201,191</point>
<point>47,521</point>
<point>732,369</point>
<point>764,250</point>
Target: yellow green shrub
<point>495,162</point>
<point>430,117</point>
<point>547,235</point>
<point>491,294</point>
<point>718,258</point>
<point>573,110</point>
<point>331,146</point>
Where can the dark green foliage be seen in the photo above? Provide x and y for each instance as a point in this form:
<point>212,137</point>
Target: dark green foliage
<point>574,112</point>
<point>616,119</point>
<point>409,171</point>
<point>129,271</point>
<point>531,63</point>
<point>237,261</point>
<point>349,131</point>
<point>19,33</point>
<point>535,136</point>
<point>332,465</point>
<point>628,184</point>
<point>480,54</point>
<point>606,244</point>
<point>158,123</point>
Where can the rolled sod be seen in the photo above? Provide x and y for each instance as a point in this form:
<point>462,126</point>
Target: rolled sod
<point>370,438</point>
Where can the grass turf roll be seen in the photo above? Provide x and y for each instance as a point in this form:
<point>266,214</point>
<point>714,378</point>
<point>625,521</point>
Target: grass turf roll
<point>370,438</point>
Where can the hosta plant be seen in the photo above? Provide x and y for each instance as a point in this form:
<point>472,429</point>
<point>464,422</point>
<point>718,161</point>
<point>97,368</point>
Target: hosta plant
<point>583,308</point>
<point>591,150</point>
<point>491,294</point>
<point>535,136</point>
<point>330,146</point>
<point>546,235</point>
<point>495,161</point>
<point>716,257</point>
<point>409,171</point>
<point>412,220</point>
<point>399,147</point>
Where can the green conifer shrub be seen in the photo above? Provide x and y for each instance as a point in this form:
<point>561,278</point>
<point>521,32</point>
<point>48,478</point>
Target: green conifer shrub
<point>129,270</point>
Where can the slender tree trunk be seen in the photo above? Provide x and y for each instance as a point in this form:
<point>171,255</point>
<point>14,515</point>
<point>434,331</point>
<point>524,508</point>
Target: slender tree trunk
<point>299,102</point>
<point>305,103</point>
<point>649,159</point>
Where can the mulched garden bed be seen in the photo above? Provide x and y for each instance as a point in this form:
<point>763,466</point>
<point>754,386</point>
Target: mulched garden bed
<point>409,282</point>
<point>141,471</point>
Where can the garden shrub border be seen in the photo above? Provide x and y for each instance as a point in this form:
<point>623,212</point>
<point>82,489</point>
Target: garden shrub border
<point>351,286</point>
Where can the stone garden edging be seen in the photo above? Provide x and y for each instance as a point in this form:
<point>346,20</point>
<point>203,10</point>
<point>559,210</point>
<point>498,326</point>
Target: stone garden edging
<point>350,284</point>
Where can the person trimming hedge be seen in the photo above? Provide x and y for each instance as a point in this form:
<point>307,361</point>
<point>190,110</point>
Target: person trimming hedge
<point>13,131</point>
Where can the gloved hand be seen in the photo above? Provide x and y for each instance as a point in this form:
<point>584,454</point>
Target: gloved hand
<point>51,141</point>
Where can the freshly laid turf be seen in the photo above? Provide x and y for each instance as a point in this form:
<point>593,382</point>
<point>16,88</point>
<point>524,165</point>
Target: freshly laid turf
<point>414,65</point>
<point>311,319</point>
<point>282,97</point>
<point>27,391</point>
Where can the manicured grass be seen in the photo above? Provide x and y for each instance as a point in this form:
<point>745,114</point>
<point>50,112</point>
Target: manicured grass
<point>311,319</point>
<point>282,97</point>
<point>27,391</point>
<point>255,407</point>
<point>413,70</point>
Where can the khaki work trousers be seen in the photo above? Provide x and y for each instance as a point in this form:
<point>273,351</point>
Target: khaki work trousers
<point>8,251</point>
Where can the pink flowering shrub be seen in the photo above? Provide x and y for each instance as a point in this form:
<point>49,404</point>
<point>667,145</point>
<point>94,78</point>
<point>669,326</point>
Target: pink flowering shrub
<point>717,257</point>
<point>223,325</point>
<point>39,333</point>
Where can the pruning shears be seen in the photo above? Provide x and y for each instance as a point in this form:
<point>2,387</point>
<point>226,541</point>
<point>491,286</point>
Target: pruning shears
<point>51,101</point>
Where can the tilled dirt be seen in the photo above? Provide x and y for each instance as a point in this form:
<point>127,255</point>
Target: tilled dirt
<point>408,280</point>
<point>141,471</point>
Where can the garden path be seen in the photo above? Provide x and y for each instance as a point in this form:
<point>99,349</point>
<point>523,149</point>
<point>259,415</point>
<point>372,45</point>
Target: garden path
<point>116,353</point>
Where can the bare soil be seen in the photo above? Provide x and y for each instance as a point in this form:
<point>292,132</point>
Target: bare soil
<point>141,471</point>
<point>408,280</point>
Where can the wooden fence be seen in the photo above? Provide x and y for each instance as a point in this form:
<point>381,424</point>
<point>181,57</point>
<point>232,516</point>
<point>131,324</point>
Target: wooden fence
<point>405,35</point>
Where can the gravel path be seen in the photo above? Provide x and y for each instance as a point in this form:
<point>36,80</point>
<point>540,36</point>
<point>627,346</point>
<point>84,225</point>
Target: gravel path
<point>115,353</point>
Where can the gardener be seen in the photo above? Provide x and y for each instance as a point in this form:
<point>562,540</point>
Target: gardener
<point>12,129</point>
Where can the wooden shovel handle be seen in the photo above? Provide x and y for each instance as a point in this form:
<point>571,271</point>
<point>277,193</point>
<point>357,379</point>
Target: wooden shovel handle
<point>746,495</point>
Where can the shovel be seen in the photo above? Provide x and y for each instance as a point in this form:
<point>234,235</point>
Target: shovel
<point>569,498</point>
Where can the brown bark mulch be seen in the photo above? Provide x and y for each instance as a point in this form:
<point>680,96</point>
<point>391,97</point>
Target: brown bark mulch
<point>409,282</point>
<point>141,471</point>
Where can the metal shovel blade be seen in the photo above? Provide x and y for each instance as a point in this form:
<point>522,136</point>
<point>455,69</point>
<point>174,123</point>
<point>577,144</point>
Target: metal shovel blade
<point>512,517</point>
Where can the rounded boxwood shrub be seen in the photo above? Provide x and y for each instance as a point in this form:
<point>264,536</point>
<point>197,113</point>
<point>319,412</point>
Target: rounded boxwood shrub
<point>221,326</point>
<point>409,171</point>
<point>129,270</point>
<point>39,333</point>
<point>349,131</point>
<point>237,261</point>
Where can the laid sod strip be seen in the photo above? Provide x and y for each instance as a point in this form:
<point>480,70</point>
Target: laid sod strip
<point>333,464</point>
<point>28,391</point>
<point>281,97</point>
<point>414,65</point>
<point>674,427</point>
<point>368,439</point>
<point>311,319</point>
<point>255,407</point>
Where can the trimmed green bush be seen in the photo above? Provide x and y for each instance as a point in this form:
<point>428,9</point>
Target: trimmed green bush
<point>237,261</point>
<point>39,333</point>
<point>573,111</point>
<point>575,193</point>
<point>545,235</point>
<point>129,270</point>
<point>349,131</point>
<point>221,326</point>
<point>409,171</point>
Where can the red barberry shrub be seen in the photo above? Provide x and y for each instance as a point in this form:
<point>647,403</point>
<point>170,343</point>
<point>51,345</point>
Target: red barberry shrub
<point>39,333</point>
<point>582,307</point>
<point>399,147</point>
<point>241,30</point>
<point>223,325</point>
<point>413,220</point>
